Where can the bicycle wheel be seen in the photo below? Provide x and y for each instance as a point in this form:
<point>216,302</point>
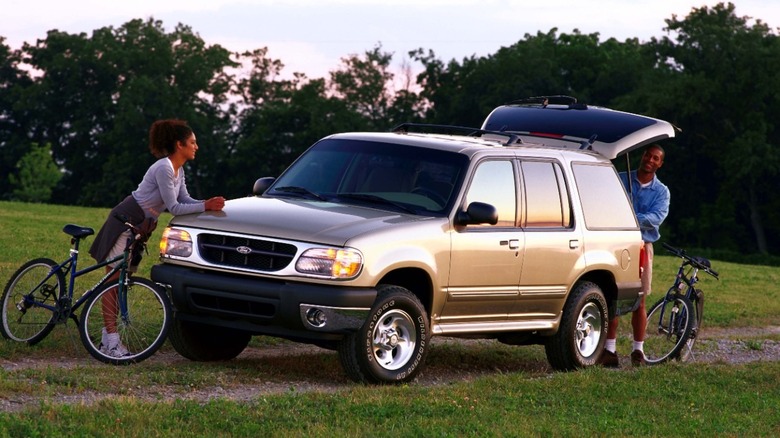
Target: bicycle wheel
<point>24,318</point>
<point>669,323</point>
<point>142,328</point>
<point>697,305</point>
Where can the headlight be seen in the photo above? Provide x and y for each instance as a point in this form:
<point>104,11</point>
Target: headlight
<point>176,242</point>
<point>330,262</point>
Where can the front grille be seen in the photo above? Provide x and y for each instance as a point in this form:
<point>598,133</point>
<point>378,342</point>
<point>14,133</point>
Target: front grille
<point>255,254</point>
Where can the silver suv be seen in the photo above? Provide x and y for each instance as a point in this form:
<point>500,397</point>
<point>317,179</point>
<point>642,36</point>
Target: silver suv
<point>372,243</point>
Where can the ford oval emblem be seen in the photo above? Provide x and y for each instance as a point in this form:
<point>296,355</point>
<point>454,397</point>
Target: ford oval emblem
<point>244,250</point>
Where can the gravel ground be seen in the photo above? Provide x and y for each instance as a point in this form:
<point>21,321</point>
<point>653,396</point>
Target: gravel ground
<point>715,346</point>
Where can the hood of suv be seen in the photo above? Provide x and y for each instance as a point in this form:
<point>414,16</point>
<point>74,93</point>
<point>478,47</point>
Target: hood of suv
<point>608,132</point>
<point>295,219</point>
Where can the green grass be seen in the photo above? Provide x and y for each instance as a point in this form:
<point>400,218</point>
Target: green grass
<point>516,395</point>
<point>674,400</point>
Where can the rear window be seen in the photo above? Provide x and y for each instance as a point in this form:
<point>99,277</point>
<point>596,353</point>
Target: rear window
<point>604,200</point>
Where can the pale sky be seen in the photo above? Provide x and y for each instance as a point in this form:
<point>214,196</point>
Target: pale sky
<point>311,36</point>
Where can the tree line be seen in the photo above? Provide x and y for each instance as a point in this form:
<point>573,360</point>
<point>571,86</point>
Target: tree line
<point>75,110</point>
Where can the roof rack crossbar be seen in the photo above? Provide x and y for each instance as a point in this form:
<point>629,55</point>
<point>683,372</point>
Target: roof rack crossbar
<point>471,132</point>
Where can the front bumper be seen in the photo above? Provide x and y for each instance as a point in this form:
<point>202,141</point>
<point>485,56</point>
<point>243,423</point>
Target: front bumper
<point>265,306</point>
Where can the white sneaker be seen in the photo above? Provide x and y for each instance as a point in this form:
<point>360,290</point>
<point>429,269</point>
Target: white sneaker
<point>114,347</point>
<point>119,351</point>
<point>103,347</point>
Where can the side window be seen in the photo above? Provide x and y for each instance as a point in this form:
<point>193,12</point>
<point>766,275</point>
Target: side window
<point>546,197</point>
<point>494,183</point>
<point>604,201</point>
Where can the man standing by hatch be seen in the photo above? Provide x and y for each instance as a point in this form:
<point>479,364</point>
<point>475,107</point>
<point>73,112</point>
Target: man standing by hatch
<point>650,198</point>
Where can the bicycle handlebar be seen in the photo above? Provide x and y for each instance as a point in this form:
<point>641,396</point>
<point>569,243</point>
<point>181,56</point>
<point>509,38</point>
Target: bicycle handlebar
<point>126,220</point>
<point>696,261</point>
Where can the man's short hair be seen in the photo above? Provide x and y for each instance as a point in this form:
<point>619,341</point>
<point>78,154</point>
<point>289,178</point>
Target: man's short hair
<point>657,146</point>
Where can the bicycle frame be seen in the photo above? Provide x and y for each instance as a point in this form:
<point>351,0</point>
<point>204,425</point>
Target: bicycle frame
<point>69,266</point>
<point>674,321</point>
<point>683,285</point>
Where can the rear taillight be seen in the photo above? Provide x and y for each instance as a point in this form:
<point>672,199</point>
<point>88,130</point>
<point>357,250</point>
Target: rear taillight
<point>642,259</point>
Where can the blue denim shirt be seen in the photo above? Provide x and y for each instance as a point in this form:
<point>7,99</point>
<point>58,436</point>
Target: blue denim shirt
<point>651,205</point>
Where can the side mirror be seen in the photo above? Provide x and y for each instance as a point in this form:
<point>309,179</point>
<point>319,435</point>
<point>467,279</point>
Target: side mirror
<point>477,213</point>
<point>262,184</point>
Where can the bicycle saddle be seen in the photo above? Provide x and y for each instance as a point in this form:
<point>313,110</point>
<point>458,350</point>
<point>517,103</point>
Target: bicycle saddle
<point>78,231</point>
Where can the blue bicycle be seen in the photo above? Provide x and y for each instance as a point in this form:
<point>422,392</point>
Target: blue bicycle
<point>37,298</point>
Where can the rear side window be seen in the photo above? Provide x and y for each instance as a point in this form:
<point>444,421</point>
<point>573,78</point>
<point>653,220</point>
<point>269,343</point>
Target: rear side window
<point>604,201</point>
<point>546,198</point>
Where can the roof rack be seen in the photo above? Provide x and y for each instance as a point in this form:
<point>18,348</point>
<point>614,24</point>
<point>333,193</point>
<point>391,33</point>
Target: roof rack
<point>449,129</point>
<point>560,99</point>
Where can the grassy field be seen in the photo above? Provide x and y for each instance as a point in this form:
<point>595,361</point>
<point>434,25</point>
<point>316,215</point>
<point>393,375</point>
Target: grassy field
<point>513,393</point>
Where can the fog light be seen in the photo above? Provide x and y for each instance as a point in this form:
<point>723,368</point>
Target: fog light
<point>316,317</point>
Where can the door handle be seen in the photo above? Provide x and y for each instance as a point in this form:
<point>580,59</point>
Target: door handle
<point>514,244</point>
<point>574,244</point>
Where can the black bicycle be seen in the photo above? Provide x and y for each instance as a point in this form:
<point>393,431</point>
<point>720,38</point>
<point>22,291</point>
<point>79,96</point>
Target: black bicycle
<point>37,298</point>
<point>674,322</point>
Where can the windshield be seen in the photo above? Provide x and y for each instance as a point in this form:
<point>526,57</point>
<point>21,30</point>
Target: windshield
<point>381,175</point>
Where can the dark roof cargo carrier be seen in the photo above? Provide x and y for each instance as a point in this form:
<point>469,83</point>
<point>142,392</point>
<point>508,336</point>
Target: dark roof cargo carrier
<point>561,121</point>
<point>371,243</point>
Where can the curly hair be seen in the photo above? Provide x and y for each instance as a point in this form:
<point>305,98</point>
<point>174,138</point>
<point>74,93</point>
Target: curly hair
<point>164,134</point>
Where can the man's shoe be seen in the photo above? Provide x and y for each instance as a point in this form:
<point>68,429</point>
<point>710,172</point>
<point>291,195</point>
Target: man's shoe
<point>608,359</point>
<point>637,358</point>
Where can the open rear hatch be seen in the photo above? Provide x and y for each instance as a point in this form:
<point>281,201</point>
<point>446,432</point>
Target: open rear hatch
<point>562,122</point>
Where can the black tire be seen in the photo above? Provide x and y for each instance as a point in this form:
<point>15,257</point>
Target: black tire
<point>33,322</point>
<point>686,354</point>
<point>207,343</point>
<point>142,330</point>
<point>392,344</point>
<point>669,325</point>
<point>582,331</point>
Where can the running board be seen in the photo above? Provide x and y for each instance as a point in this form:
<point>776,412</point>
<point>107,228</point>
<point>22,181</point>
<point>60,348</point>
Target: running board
<point>493,327</point>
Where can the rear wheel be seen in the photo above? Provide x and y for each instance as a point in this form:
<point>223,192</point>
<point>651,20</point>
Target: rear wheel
<point>392,344</point>
<point>669,325</point>
<point>142,328</point>
<point>697,306</point>
<point>206,343</point>
<point>24,319</point>
<point>583,329</point>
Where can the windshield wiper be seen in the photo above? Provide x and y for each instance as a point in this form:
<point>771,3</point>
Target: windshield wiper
<point>377,200</point>
<point>304,192</point>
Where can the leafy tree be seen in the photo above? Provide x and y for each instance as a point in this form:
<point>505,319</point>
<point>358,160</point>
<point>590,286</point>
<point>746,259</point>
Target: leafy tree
<point>36,176</point>
<point>98,96</point>
<point>542,64</point>
<point>720,84</point>
<point>13,123</point>
<point>367,87</point>
<point>276,120</point>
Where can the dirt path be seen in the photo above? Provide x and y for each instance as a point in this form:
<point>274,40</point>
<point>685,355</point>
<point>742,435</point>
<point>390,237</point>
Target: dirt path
<point>732,346</point>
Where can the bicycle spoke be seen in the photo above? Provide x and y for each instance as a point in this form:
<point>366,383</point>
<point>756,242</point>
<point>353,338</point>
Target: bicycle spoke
<point>141,324</point>
<point>668,329</point>
<point>24,315</point>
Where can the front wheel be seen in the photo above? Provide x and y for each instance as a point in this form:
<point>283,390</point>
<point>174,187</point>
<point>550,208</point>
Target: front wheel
<point>207,343</point>
<point>392,344</point>
<point>25,316</point>
<point>582,331</point>
<point>669,325</point>
<point>142,323</point>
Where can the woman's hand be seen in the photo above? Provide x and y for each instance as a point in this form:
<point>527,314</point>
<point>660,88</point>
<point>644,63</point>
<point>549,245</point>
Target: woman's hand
<point>215,204</point>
